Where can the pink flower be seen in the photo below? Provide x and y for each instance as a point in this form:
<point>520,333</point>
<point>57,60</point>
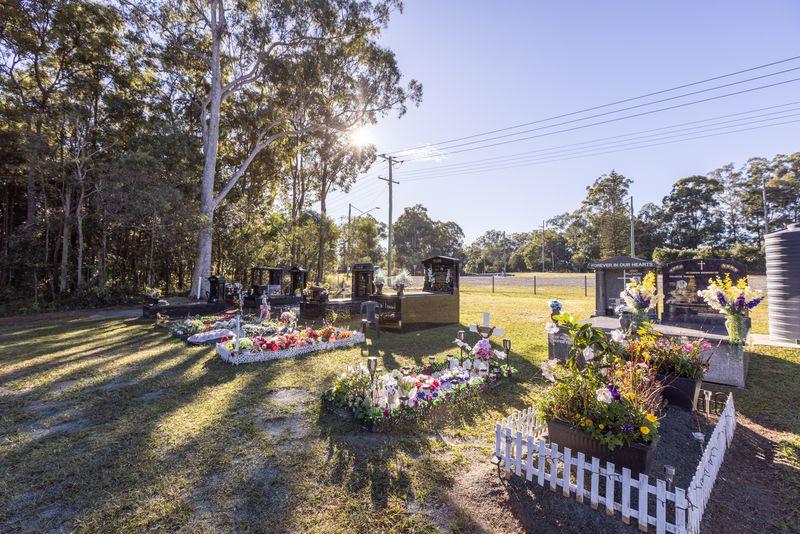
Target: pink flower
<point>706,345</point>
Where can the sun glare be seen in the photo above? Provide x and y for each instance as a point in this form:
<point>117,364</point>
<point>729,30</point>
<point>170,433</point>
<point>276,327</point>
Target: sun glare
<point>361,136</point>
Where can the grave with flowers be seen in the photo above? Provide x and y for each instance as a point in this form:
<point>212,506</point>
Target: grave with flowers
<point>273,341</point>
<point>605,429</point>
<point>722,347</point>
<point>381,399</point>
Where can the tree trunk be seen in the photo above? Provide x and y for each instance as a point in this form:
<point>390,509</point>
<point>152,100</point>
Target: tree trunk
<point>322,226</point>
<point>79,229</point>
<point>34,142</point>
<point>202,267</point>
<point>103,255</point>
<point>152,251</point>
<point>65,240</point>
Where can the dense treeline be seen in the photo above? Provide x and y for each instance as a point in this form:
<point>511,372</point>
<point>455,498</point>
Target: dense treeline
<point>151,143</point>
<point>724,213</point>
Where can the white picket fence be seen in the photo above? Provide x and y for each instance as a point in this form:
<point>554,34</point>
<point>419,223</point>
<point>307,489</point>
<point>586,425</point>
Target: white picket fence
<point>521,447</point>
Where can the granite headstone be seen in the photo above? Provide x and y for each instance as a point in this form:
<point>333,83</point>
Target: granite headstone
<point>681,280</point>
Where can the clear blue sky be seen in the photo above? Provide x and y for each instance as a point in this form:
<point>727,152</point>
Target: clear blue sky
<point>488,65</point>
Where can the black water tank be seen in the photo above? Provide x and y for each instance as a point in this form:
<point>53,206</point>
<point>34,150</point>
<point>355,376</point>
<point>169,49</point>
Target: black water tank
<point>783,284</point>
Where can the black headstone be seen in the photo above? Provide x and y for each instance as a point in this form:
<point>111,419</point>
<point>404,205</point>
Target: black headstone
<point>441,274</point>
<point>363,274</point>
<point>681,280</point>
<point>216,289</point>
<point>611,275</point>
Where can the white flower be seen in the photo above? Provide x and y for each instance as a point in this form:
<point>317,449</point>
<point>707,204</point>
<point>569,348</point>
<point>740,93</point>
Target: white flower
<point>548,370</point>
<point>500,355</point>
<point>618,336</point>
<point>588,354</point>
<point>551,328</point>
<point>604,395</point>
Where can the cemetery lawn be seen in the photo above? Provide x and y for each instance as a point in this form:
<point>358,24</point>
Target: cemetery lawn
<point>111,425</point>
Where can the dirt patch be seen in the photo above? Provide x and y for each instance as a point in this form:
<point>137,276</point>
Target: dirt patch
<point>61,387</point>
<point>290,396</point>
<point>150,396</point>
<point>677,447</point>
<point>39,432</point>
<point>284,429</point>
<point>486,502</point>
<point>747,496</point>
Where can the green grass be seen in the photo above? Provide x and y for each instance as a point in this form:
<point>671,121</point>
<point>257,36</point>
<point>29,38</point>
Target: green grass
<point>164,436</point>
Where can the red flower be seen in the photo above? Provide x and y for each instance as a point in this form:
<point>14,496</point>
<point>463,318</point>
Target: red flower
<point>224,339</point>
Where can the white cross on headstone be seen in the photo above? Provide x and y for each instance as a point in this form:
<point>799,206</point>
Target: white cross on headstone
<point>702,264</point>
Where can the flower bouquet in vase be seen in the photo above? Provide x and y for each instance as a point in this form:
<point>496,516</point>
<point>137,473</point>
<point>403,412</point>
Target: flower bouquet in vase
<point>379,279</point>
<point>734,300</point>
<point>639,298</point>
<point>401,281</point>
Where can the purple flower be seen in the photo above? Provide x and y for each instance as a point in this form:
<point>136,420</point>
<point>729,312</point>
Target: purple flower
<point>721,298</point>
<point>614,392</point>
<point>755,302</point>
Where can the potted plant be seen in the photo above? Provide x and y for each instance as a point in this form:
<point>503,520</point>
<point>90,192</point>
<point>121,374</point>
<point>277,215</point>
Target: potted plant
<point>734,300</point>
<point>603,405</point>
<point>639,298</point>
<point>605,410</point>
<point>402,280</point>
<point>379,279</point>
<point>679,366</point>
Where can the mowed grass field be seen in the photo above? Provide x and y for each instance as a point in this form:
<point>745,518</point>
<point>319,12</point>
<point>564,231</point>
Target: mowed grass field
<point>112,425</point>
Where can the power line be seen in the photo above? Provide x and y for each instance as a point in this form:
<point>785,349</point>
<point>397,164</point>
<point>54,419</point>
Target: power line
<point>527,154</point>
<point>592,153</point>
<point>631,99</point>
<point>616,119</point>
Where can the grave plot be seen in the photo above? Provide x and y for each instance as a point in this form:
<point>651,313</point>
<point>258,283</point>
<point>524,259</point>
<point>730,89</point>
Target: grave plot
<point>383,399</point>
<point>524,449</point>
<point>289,344</point>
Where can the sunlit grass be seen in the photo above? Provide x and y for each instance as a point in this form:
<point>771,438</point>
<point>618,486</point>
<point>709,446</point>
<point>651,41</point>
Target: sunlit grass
<point>169,437</point>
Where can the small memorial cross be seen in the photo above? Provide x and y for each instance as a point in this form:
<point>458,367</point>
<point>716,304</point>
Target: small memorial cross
<point>485,330</point>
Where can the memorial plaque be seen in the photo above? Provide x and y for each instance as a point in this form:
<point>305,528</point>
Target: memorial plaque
<point>612,275</point>
<point>681,280</point>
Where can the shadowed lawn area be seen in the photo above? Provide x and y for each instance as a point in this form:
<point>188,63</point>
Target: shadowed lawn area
<point>113,425</point>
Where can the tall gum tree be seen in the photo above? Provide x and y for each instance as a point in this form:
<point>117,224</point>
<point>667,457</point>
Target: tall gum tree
<point>239,52</point>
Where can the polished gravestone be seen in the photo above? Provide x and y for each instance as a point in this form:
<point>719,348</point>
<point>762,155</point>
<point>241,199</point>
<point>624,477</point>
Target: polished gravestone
<point>611,275</point>
<point>681,280</point>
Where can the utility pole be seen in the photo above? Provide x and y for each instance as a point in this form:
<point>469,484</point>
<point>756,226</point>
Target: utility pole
<point>542,246</point>
<point>390,181</point>
<point>633,246</point>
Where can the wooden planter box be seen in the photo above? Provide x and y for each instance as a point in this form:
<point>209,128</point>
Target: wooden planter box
<point>679,391</point>
<point>636,457</point>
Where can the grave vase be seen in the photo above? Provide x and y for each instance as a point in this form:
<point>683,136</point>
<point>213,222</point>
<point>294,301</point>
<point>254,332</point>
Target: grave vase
<point>637,318</point>
<point>625,321</point>
<point>736,325</point>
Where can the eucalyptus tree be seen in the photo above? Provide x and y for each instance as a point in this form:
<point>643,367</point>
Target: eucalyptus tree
<point>246,55</point>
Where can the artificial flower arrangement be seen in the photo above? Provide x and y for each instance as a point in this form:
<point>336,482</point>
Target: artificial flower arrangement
<point>393,397</point>
<point>196,325</point>
<point>611,399</point>
<point>402,280</point>
<point>733,299</point>
<point>379,277</point>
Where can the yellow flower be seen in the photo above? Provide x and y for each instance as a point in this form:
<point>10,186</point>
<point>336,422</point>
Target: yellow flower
<point>644,430</point>
<point>618,373</point>
<point>650,417</point>
<point>631,395</point>
<point>601,426</point>
<point>589,422</point>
